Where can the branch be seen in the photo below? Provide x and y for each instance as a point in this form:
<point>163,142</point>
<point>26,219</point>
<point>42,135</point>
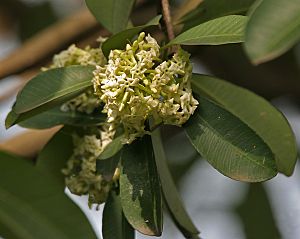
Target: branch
<point>167,18</point>
<point>55,38</point>
<point>48,42</point>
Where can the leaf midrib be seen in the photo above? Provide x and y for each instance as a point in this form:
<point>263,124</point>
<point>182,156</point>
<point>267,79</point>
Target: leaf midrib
<point>210,36</point>
<point>53,96</point>
<point>235,147</point>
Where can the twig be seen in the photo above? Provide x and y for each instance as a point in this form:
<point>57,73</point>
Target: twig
<point>167,18</point>
<point>53,39</point>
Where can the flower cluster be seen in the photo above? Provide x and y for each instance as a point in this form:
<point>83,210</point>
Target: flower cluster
<point>88,101</point>
<point>77,56</point>
<point>137,85</point>
<point>81,173</point>
<point>81,176</point>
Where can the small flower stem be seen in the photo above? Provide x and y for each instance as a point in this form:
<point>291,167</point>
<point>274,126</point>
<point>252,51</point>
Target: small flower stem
<point>167,18</point>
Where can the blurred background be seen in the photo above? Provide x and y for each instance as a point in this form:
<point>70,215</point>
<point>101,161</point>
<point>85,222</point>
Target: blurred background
<point>221,208</point>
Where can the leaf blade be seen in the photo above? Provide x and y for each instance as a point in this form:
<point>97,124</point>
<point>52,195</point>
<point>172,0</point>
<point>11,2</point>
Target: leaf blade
<point>119,40</point>
<point>24,206</point>
<point>140,188</point>
<point>54,156</point>
<point>229,145</point>
<point>112,148</point>
<point>112,14</point>
<point>53,86</point>
<point>259,115</point>
<point>171,195</point>
<point>223,30</point>
<point>113,215</point>
<point>267,35</point>
<point>56,116</point>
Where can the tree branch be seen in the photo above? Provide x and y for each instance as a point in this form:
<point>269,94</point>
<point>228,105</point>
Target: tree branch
<point>48,42</point>
<point>167,18</point>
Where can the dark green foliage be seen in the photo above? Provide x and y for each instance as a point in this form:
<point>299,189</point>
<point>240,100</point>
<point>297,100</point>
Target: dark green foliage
<point>255,112</point>
<point>229,144</point>
<point>238,132</point>
<point>33,205</point>
<point>114,223</point>
<point>256,214</point>
<point>140,187</point>
<point>112,14</point>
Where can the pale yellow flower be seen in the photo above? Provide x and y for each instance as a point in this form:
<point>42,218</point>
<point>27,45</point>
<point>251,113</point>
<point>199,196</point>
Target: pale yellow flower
<point>136,85</point>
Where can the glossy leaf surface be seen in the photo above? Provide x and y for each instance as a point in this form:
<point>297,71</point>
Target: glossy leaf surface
<point>257,113</point>
<point>171,195</point>
<point>56,116</point>
<point>53,87</point>
<point>140,187</point>
<point>223,30</point>
<point>229,145</point>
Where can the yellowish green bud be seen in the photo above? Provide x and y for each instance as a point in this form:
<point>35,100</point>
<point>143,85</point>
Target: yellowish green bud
<point>81,172</point>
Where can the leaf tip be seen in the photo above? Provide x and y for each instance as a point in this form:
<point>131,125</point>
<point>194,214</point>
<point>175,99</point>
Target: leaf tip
<point>11,119</point>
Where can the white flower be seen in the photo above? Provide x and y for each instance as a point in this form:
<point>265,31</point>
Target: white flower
<point>77,56</point>
<point>137,85</point>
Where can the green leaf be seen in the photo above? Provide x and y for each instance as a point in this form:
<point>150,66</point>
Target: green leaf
<point>273,28</point>
<point>171,195</point>
<point>261,222</point>
<point>112,14</point>
<point>5,232</point>
<point>257,113</point>
<point>52,87</point>
<point>11,119</point>
<point>49,89</point>
<point>211,9</point>
<point>114,223</point>
<point>223,30</point>
<point>54,156</point>
<point>229,145</point>
<point>56,116</point>
<point>33,206</point>
<point>107,167</point>
<point>140,187</point>
<point>119,40</point>
<point>112,148</point>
